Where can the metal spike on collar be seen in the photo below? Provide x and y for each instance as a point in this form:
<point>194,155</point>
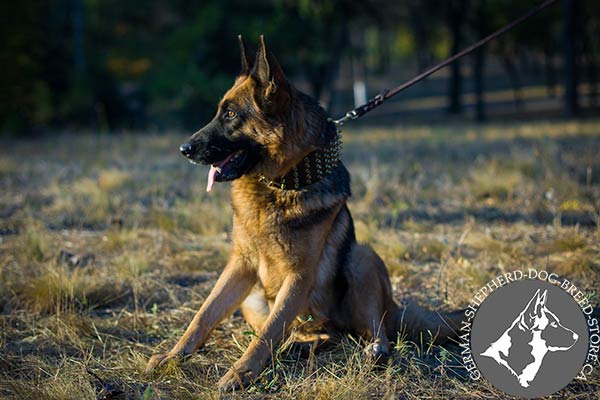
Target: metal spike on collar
<point>319,170</point>
<point>296,179</point>
<point>325,162</point>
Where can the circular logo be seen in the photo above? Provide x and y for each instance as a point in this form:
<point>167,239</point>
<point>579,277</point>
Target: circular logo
<point>529,338</point>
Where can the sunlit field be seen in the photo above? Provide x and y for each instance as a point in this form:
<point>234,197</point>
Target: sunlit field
<point>109,244</point>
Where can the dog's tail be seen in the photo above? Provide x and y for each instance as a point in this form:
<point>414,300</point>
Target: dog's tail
<point>422,325</point>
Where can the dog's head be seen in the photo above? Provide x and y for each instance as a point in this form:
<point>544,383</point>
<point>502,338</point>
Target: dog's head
<point>537,317</point>
<point>247,133</point>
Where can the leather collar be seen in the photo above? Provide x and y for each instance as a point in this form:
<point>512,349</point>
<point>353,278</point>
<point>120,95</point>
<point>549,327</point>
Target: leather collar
<point>312,169</point>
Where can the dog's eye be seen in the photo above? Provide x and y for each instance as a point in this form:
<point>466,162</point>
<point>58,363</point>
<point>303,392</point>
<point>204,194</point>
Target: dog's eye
<point>230,114</point>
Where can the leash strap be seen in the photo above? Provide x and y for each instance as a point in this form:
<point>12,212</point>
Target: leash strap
<point>387,94</point>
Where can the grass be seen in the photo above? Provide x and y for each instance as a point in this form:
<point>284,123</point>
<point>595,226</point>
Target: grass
<point>109,244</point>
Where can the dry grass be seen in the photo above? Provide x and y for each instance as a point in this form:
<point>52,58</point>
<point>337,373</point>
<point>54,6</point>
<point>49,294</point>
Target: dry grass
<point>108,245</point>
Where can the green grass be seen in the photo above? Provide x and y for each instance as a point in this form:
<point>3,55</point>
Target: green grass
<point>447,208</point>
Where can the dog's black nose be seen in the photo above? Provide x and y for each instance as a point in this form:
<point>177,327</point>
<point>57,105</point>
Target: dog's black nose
<point>186,149</point>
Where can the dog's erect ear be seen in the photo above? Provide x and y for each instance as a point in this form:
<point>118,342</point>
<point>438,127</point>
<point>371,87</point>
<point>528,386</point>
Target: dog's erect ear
<point>269,76</point>
<point>266,68</point>
<point>245,63</point>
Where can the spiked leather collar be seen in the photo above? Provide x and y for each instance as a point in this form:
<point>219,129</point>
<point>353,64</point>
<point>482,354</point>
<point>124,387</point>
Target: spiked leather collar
<point>313,168</point>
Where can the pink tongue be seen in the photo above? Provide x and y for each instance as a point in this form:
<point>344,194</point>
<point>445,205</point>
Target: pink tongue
<point>211,178</point>
<point>213,171</point>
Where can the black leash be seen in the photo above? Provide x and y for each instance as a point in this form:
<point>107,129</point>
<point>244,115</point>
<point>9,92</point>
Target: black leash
<point>387,93</point>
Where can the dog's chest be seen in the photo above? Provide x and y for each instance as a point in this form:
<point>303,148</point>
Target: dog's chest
<point>281,233</point>
<point>265,215</point>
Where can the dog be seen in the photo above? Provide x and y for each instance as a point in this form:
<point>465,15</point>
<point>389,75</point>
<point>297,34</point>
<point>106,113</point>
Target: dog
<point>536,330</point>
<point>294,250</point>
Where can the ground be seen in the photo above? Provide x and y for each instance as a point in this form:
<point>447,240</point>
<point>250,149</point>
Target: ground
<point>109,244</point>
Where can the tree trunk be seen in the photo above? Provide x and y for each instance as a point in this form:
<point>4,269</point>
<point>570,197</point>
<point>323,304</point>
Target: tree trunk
<point>570,58</point>
<point>359,86</point>
<point>77,35</point>
<point>515,79</point>
<point>591,62</point>
<point>593,79</point>
<point>479,66</point>
<point>549,69</point>
<point>418,26</point>
<point>328,92</point>
<point>457,9</point>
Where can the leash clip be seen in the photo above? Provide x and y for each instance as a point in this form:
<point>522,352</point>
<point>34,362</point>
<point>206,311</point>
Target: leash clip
<point>361,110</point>
<point>352,114</point>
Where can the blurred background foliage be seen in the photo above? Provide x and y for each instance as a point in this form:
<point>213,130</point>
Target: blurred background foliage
<point>127,64</point>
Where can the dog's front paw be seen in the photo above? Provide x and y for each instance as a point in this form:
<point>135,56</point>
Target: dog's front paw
<point>236,378</point>
<point>161,360</point>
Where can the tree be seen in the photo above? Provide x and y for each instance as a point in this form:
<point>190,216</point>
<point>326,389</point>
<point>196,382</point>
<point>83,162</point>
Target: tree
<point>456,12</point>
<point>570,57</point>
<point>479,62</point>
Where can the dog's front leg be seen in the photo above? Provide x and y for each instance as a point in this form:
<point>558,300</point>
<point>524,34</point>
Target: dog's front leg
<point>290,301</point>
<point>231,288</point>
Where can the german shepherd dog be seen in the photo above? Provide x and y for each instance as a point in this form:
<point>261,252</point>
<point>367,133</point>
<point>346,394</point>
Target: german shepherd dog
<point>294,249</point>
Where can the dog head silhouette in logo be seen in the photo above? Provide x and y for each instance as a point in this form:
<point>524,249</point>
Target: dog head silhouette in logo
<point>535,332</point>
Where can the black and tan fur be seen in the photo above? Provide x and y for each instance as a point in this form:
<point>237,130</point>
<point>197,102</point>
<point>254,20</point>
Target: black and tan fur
<point>294,251</point>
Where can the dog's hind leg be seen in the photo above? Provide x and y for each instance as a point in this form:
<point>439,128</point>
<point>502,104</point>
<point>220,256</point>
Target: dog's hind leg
<point>375,314</point>
<point>373,328</point>
<point>369,292</point>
